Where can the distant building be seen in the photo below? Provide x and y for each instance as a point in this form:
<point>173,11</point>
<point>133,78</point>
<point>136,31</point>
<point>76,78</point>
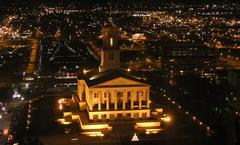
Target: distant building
<point>234,78</point>
<point>61,61</point>
<point>188,58</point>
<point>60,55</point>
<point>111,92</point>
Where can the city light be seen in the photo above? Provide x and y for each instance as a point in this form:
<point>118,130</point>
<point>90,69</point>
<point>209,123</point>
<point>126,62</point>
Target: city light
<point>84,71</point>
<point>60,107</point>
<point>93,134</point>
<point>94,72</point>
<point>5,132</point>
<point>27,85</point>
<point>152,131</point>
<point>166,119</point>
<point>16,95</point>
<point>62,101</point>
<point>135,138</point>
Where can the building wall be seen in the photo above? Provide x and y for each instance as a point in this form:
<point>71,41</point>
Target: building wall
<point>189,59</point>
<point>118,114</point>
<point>234,78</point>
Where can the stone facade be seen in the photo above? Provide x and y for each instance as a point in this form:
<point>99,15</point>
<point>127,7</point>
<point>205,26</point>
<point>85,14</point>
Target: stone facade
<point>116,98</point>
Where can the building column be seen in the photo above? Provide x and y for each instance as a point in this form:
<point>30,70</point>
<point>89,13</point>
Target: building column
<point>132,115</point>
<point>99,116</point>
<point>139,100</point>
<point>90,101</point>
<point>99,101</point>
<point>132,101</point>
<point>148,99</point>
<point>140,114</point>
<point>124,100</point>
<point>107,102</point>
<point>115,100</point>
<point>80,90</point>
<point>90,116</point>
<point>148,114</point>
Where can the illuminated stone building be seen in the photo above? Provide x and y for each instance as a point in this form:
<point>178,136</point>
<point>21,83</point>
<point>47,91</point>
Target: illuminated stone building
<point>110,92</point>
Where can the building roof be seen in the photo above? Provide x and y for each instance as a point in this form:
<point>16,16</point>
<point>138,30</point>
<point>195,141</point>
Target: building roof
<point>95,77</point>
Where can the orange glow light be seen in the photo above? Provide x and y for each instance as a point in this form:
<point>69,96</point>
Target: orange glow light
<point>5,132</point>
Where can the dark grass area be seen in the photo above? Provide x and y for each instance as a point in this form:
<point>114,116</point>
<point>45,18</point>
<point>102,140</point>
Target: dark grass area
<point>44,117</point>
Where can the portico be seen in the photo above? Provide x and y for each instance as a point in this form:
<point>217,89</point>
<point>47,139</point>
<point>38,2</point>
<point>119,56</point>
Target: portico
<point>118,99</point>
<point>119,96</point>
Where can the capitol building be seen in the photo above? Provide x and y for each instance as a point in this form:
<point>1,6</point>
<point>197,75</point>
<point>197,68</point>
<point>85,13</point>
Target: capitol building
<point>110,92</point>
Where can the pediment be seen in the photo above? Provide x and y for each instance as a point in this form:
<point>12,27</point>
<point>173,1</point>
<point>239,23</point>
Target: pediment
<point>120,81</point>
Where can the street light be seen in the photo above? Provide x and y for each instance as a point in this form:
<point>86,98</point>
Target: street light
<point>60,107</point>
<point>84,71</point>
<point>208,128</point>
<point>27,85</point>
<point>194,118</point>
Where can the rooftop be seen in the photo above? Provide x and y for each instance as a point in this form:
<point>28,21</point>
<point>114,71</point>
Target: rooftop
<point>93,77</point>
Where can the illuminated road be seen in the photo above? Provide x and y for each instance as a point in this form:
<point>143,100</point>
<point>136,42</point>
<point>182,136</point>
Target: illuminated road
<point>230,61</point>
<point>32,57</point>
<point>4,125</point>
<point>33,43</point>
<point>9,43</point>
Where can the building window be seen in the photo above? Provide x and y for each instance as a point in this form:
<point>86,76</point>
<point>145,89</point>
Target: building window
<point>128,115</point>
<point>111,42</point>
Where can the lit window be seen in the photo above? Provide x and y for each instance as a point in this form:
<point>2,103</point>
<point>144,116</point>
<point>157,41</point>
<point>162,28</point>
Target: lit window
<point>111,42</point>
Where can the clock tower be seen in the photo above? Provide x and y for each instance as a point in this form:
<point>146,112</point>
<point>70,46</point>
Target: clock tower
<point>110,53</point>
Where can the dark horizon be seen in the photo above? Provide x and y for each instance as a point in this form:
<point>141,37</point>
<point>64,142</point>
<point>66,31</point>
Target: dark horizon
<point>37,2</point>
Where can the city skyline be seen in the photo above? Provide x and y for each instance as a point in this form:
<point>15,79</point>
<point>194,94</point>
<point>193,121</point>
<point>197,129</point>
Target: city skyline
<point>119,72</point>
